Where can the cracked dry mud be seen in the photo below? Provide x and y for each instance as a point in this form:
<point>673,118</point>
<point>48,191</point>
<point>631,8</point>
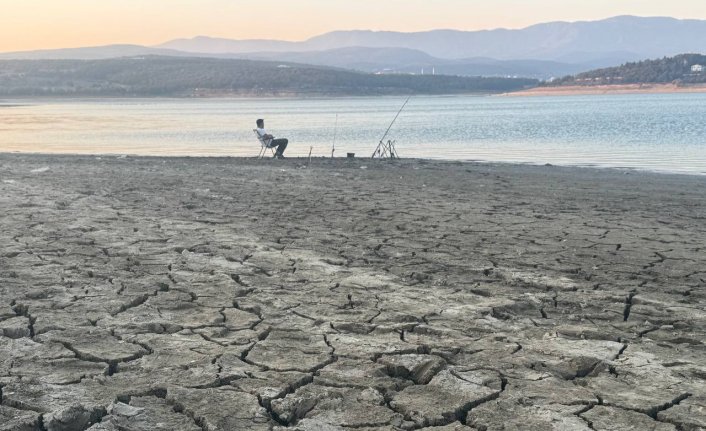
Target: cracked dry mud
<point>226,294</point>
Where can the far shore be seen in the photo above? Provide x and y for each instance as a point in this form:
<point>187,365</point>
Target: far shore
<point>8,101</point>
<point>574,90</point>
<point>578,90</point>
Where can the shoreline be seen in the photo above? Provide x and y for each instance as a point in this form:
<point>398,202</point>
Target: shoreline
<point>304,160</point>
<point>579,90</point>
<point>249,96</point>
<point>572,90</point>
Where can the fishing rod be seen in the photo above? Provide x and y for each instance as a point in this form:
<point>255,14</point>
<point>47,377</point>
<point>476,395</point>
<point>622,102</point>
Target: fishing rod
<point>335,129</point>
<point>381,144</point>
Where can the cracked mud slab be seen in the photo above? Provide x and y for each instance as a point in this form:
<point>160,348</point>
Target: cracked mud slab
<point>229,294</point>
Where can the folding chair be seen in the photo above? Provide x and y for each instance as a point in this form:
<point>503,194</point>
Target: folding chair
<point>263,146</point>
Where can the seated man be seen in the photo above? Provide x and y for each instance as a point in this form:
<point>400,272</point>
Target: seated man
<point>270,140</point>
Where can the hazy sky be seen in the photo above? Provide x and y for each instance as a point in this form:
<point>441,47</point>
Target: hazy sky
<point>37,24</point>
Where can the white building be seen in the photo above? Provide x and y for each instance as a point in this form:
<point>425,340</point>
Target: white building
<point>697,68</point>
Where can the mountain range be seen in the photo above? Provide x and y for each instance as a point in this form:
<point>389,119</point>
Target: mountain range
<point>540,51</point>
<point>620,38</point>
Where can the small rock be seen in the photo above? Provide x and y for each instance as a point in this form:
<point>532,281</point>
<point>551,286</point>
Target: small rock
<point>418,368</point>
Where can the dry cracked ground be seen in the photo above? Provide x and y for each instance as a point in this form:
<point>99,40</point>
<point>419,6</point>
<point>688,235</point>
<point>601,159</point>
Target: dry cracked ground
<point>226,294</point>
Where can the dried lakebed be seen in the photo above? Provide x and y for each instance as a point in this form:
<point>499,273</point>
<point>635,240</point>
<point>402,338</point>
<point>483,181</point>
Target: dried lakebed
<point>228,294</point>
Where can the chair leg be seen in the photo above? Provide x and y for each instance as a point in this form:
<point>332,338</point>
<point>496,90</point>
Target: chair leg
<point>263,151</point>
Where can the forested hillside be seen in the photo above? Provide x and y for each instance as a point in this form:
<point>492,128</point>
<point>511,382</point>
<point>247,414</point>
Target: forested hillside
<point>682,69</point>
<point>153,76</point>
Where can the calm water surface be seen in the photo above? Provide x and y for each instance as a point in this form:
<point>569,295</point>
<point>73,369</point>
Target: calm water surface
<point>662,132</point>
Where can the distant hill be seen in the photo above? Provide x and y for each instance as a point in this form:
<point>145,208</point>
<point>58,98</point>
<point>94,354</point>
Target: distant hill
<point>682,69</point>
<point>601,43</point>
<point>91,53</point>
<point>364,59</point>
<point>190,77</point>
<point>214,45</point>
<point>405,60</point>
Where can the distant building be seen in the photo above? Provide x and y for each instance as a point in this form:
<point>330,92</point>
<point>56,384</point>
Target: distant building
<point>697,68</point>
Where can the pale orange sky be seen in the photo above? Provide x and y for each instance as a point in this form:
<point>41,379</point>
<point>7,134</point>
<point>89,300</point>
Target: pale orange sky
<point>43,24</point>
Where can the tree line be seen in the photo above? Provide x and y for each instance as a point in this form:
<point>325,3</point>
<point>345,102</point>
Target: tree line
<point>677,69</point>
<point>154,76</point>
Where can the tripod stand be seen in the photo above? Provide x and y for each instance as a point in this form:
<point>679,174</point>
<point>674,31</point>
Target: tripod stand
<point>387,149</point>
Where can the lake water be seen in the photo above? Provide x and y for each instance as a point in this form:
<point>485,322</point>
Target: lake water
<point>660,132</point>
